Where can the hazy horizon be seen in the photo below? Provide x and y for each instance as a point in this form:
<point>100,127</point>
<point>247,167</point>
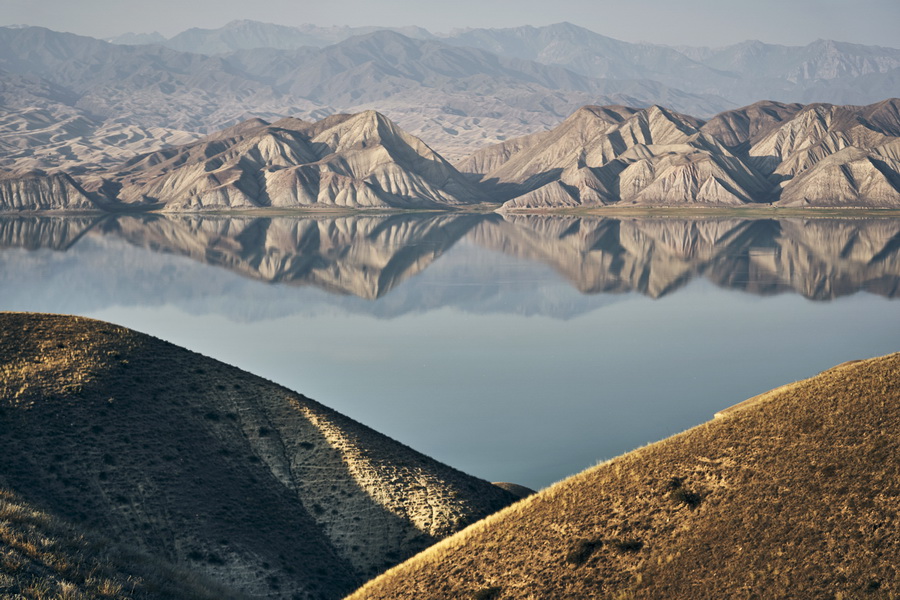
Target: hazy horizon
<point>691,22</point>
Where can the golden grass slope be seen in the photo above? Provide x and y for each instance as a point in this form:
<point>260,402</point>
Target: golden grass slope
<point>210,468</point>
<point>795,495</point>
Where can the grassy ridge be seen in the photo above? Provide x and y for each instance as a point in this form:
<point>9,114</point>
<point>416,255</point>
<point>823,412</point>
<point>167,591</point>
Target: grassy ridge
<point>794,495</point>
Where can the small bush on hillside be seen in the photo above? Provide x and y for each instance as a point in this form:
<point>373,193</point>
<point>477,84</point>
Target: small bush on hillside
<point>490,593</point>
<point>582,550</point>
<point>691,499</point>
<point>631,545</point>
<point>681,495</point>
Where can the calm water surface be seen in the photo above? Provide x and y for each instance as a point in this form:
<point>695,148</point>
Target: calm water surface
<point>515,348</point>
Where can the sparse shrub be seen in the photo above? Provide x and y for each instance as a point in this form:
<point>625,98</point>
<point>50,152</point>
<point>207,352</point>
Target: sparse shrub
<point>681,495</point>
<point>687,497</point>
<point>488,593</point>
<point>631,545</point>
<point>582,551</point>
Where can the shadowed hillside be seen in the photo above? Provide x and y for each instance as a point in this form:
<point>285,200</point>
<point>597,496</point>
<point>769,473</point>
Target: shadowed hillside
<point>42,556</point>
<point>215,470</point>
<point>792,494</point>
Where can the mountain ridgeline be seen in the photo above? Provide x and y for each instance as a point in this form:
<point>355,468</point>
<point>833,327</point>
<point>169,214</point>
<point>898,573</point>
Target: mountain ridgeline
<point>769,153</point>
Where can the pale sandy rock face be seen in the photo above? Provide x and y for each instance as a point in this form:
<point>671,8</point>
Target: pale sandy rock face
<point>769,152</point>
<point>358,161</point>
<point>850,177</point>
<point>38,193</point>
<point>763,153</point>
<point>749,124</point>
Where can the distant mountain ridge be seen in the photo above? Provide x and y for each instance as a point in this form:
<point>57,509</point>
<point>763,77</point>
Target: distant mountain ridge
<point>821,71</point>
<point>767,153</point>
<point>459,90</point>
<point>457,96</point>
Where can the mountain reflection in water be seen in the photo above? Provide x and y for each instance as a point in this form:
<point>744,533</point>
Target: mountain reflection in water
<point>368,256</point>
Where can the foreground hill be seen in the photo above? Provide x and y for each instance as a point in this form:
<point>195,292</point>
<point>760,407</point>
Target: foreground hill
<point>792,494</point>
<point>212,469</point>
<point>789,155</point>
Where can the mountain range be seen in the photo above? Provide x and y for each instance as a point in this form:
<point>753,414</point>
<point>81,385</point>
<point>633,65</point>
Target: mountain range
<point>766,154</point>
<point>203,466</point>
<point>822,71</point>
<point>787,155</point>
<point>72,101</point>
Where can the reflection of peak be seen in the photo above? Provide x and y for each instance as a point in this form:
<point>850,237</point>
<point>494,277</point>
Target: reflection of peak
<point>819,259</point>
<point>32,233</point>
<point>371,256</point>
<point>365,256</point>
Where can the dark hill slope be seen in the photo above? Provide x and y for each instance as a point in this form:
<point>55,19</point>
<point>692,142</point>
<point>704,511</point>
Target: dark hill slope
<point>42,556</point>
<point>793,494</point>
<point>210,468</point>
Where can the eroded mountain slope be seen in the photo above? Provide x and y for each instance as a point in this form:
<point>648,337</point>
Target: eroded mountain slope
<point>818,155</point>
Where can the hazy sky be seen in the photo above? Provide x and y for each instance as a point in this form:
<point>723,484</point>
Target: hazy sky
<point>694,22</point>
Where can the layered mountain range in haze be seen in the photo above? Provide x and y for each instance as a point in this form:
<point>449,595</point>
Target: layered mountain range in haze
<point>75,101</point>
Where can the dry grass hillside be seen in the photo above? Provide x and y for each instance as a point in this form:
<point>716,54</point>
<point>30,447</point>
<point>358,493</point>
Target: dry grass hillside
<point>794,494</point>
<point>210,468</point>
